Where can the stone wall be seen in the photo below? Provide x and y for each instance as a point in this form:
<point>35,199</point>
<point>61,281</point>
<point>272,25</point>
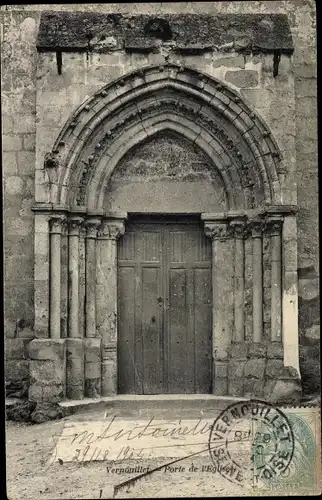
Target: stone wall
<point>287,101</point>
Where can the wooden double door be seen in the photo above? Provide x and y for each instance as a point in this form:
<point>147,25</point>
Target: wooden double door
<point>164,308</point>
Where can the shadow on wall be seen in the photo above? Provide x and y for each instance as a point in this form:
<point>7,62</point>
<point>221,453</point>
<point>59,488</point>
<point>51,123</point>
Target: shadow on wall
<point>309,317</point>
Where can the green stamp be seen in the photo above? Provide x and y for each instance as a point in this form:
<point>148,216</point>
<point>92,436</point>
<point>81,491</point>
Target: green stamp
<point>302,469</point>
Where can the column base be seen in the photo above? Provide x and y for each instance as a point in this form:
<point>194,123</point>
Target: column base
<point>47,370</point>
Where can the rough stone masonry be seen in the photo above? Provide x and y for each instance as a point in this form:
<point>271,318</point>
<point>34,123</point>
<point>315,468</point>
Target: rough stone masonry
<point>236,87</point>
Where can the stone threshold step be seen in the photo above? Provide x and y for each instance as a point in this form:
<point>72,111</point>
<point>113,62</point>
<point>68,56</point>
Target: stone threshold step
<point>146,402</point>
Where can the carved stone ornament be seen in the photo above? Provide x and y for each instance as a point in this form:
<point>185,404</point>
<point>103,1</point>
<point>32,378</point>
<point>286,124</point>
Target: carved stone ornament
<point>56,223</point>
<point>256,226</point>
<point>92,226</point>
<point>273,226</point>
<point>239,229</point>
<point>217,231</point>
<point>111,230</point>
<point>74,224</point>
<point>172,106</point>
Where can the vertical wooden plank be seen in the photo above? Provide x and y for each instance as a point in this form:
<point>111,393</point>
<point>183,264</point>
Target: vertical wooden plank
<point>126,337</point>
<point>177,331</point>
<point>151,330</point>
<point>190,342</point>
<point>203,314</point>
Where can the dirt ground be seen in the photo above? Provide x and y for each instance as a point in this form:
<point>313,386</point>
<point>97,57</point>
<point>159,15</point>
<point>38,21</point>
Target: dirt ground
<point>30,476</point>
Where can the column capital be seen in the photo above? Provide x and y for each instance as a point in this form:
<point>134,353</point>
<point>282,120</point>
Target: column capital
<point>91,226</point>
<point>217,230</point>
<point>256,227</point>
<point>74,223</point>
<point>57,223</point>
<point>273,225</point>
<point>239,229</point>
<point>111,229</point>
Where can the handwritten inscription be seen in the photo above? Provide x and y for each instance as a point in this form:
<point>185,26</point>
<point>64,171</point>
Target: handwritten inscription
<point>119,439</point>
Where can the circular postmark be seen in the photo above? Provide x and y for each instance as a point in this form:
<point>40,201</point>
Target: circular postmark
<point>251,441</point>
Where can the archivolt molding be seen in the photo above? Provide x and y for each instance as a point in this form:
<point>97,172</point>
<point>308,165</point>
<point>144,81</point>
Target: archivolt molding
<point>215,117</point>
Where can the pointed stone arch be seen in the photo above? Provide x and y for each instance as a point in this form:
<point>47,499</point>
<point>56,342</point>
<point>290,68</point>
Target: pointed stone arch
<point>196,105</point>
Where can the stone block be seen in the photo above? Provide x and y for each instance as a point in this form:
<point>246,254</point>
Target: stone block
<point>35,392</point>
<point>53,393</point>
<point>75,391</point>
<point>220,386</point>
<point>26,162</point>
<point>236,387</point>
<point>236,369</point>
<point>93,388</point>
<point>274,368</point>
<point>75,371</point>
<point>47,372</point>
<point>253,388</point>
<point>275,350</point>
<point>9,162</point>
<point>236,61</point>
<point>14,185</point>
<point>16,348</point>
<point>29,142</point>
<point>221,370</point>
<point>93,370</point>
<point>257,350</point>
<point>24,124</point>
<point>255,368</point>
<point>11,142</point>
<point>92,349</point>
<point>17,370</point>
<point>47,349</point>
<point>243,78</point>
<point>238,350</point>
<point>286,392</point>
<point>109,378</point>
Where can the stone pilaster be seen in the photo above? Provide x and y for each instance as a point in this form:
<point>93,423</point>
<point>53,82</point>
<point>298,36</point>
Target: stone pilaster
<point>56,222</point>
<point>257,228</point>
<point>111,229</point>
<point>41,275</point>
<point>223,306</point>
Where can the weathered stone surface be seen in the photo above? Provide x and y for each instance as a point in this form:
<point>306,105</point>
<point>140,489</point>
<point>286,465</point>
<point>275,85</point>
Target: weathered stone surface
<point>68,30</point>
<point>253,388</point>
<point>92,349</point>
<point>238,350</point>
<point>47,349</point>
<point>275,350</point>
<point>243,78</point>
<point>257,350</point>
<point>274,368</point>
<point>16,348</point>
<point>93,387</point>
<point>236,387</point>
<point>47,372</point>
<point>43,412</point>
<point>255,368</point>
<point>20,410</point>
<point>236,369</point>
<point>220,386</point>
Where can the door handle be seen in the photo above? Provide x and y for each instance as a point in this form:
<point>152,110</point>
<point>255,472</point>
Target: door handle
<point>153,319</point>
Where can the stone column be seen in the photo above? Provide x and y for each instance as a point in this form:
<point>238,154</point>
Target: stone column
<point>223,307</point>
<point>274,227</point>
<point>90,276</point>
<point>56,222</point>
<point>92,343</point>
<point>239,281</point>
<point>256,227</point>
<point>74,344</point>
<point>106,298</point>
<point>73,276</point>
